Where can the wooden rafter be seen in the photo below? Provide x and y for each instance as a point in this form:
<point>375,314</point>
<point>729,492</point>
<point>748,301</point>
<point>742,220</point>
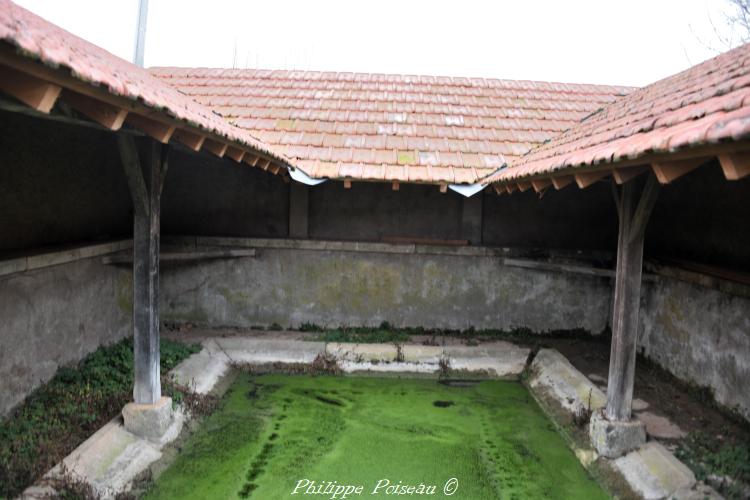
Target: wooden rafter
<point>585,179</point>
<point>36,93</point>
<point>160,131</point>
<point>189,139</point>
<point>347,183</point>
<point>395,185</point>
<point>523,186</point>
<point>735,165</point>
<point>235,153</point>
<point>561,181</point>
<point>540,185</point>
<point>104,114</point>
<point>215,147</point>
<point>275,168</point>
<point>263,163</point>
<point>623,175</point>
<point>443,188</point>
<point>251,159</point>
<point>498,189</point>
<point>667,171</point>
<point>510,188</point>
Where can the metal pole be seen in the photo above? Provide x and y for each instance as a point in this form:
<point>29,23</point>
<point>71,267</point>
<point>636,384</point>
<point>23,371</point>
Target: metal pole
<point>140,35</point>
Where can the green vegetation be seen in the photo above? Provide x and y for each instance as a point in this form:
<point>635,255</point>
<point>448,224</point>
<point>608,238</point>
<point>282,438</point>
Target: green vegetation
<point>272,431</point>
<point>706,456</point>
<point>386,333</point>
<point>62,413</point>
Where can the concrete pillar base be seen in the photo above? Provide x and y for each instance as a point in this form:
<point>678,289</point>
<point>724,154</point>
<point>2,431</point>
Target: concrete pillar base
<point>148,420</point>
<point>613,439</point>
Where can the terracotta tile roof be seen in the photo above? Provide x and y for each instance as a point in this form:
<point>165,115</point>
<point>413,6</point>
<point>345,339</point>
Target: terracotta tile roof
<point>392,127</point>
<point>39,40</point>
<point>705,104</point>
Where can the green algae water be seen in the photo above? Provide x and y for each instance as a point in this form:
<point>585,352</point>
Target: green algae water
<point>316,438</point>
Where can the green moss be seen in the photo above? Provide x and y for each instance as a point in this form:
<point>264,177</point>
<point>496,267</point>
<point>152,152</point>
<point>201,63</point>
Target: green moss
<point>65,411</point>
<point>406,158</point>
<point>275,430</point>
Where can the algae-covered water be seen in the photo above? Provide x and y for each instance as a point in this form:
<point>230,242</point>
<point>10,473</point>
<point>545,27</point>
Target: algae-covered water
<point>290,437</point>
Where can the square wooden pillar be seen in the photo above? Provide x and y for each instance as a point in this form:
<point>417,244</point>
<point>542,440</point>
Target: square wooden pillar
<point>145,175</point>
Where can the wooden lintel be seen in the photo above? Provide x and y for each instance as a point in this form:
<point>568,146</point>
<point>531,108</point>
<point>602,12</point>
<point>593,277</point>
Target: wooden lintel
<point>667,171</point>
<point>189,139</point>
<point>162,132</point>
<point>395,186</point>
<point>35,93</point>
<point>104,114</point>
<point>623,175</point>
<point>735,165</point>
<point>215,147</point>
<point>585,179</point>
<point>523,186</point>
<point>235,153</point>
<point>561,181</point>
<point>443,188</point>
<point>347,184</point>
<point>540,184</point>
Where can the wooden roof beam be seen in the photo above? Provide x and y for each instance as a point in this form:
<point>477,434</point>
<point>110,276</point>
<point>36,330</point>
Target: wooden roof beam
<point>561,181</point>
<point>540,185</point>
<point>104,114</point>
<point>623,175</point>
<point>443,188</point>
<point>523,186</point>
<point>263,163</point>
<point>189,139</point>
<point>498,189</point>
<point>667,171</point>
<point>347,183</point>
<point>38,94</point>
<point>395,186</point>
<point>162,132</point>
<point>275,168</point>
<point>235,153</point>
<point>510,188</point>
<point>735,165</point>
<point>215,147</point>
<point>251,159</point>
<point>585,179</point>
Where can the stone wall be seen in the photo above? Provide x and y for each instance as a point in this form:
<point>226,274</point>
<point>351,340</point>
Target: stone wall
<point>53,316</point>
<point>700,335</point>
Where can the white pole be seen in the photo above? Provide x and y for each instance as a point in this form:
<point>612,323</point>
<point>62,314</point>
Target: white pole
<point>140,35</point>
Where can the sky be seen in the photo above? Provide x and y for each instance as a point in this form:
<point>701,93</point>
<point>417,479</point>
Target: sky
<point>632,42</point>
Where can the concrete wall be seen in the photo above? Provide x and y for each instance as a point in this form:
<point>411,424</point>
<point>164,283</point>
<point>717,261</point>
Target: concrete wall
<point>334,288</point>
<point>56,315</point>
<point>700,335</point>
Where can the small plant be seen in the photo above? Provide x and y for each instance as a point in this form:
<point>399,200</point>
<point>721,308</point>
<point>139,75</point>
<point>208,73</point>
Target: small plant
<point>725,465</point>
<point>325,363</point>
<point>444,367</point>
<point>399,352</point>
<point>310,327</point>
<point>582,416</point>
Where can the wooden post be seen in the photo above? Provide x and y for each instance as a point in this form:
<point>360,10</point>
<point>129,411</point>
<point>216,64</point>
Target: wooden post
<point>145,179</point>
<point>634,211</point>
<point>298,207</point>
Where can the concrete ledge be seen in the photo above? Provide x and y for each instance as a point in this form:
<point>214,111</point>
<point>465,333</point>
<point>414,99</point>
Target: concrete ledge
<point>653,472</point>
<point>557,381</point>
<point>201,371</point>
<point>31,262</point>
<point>256,350</point>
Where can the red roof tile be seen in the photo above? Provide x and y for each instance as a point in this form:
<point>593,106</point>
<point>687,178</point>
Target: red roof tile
<point>705,104</point>
<point>39,40</point>
<point>393,127</point>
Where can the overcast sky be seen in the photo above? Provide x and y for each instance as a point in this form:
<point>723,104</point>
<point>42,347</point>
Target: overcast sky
<point>633,42</point>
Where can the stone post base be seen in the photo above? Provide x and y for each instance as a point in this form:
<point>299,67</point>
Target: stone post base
<point>148,421</point>
<point>612,438</point>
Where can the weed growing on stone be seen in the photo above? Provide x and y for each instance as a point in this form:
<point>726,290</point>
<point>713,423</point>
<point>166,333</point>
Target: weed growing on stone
<point>62,413</point>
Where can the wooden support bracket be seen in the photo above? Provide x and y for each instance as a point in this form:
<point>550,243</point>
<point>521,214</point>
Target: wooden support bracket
<point>235,153</point>
<point>585,179</point>
<point>735,165</point>
<point>215,147</point>
<point>189,139</point>
<point>540,185</point>
<point>35,93</point>
<point>667,171</point>
<point>623,175</point>
<point>104,114</point>
<point>561,181</point>
<point>155,129</point>
<point>132,166</point>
